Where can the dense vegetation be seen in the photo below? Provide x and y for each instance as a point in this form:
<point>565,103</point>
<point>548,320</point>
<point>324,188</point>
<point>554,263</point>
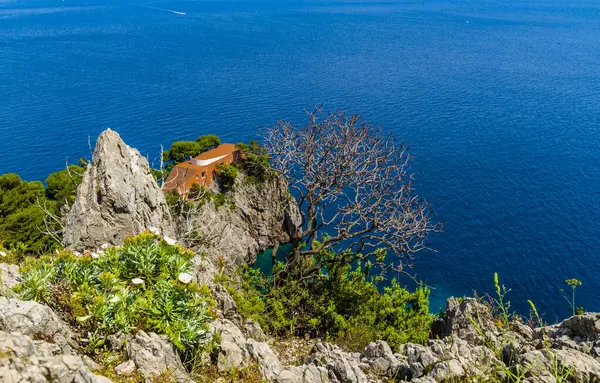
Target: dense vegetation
<point>254,160</point>
<point>62,186</point>
<point>144,284</point>
<point>183,150</point>
<point>342,303</point>
<point>25,208</point>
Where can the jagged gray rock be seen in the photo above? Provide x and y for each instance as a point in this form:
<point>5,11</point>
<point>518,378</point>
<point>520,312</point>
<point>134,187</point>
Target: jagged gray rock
<point>302,374</point>
<point>9,276</point>
<point>37,321</point>
<point>466,350</point>
<point>233,353</point>
<point>225,302</point>
<point>342,367</point>
<point>256,216</point>
<point>542,365</point>
<point>118,197</point>
<point>154,355</point>
<point>125,368</point>
<point>267,360</point>
<point>236,351</point>
<point>20,363</point>
<point>459,318</point>
<point>381,359</point>
<point>253,330</point>
<point>586,326</point>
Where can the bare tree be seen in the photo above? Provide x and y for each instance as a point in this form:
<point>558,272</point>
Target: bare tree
<point>53,224</point>
<point>354,190</point>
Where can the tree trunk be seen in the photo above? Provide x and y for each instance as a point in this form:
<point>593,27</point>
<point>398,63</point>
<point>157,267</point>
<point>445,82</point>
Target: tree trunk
<point>274,254</point>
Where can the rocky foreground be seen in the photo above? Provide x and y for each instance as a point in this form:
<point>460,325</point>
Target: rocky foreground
<point>36,345</point>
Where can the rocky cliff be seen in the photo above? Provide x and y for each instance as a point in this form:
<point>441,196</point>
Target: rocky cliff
<point>118,197</point>
<point>254,216</point>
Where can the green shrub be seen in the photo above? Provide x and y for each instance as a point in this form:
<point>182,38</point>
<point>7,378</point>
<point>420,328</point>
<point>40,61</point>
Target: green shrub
<point>208,142</point>
<point>21,219</point>
<point>254,161</point>
<point>141,285</point>
<point>181,150</point>
<point>62,186</point>
<point>342,304</point>
<point>226,175</point>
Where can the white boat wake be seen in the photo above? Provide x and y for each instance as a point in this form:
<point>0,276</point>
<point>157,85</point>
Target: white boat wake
<point>166,10</point>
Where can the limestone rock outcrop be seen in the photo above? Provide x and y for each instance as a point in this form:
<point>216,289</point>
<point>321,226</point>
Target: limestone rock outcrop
<point>342,367</point>
<point>254,217</point>
<point>9,276</point>
<point>37,321</point>
<point>117,198</point>
<point>154,355</point>
<point>20,362</point>
<point>468,345</point>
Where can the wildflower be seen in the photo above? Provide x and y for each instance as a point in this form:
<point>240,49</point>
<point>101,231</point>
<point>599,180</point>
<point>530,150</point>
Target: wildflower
<point>170,241</point>
<point>105,246</point>
<point>154,230</point>
<point>2,254</point>
<point>77,253</point>
<point>185,278</point>
<point>84,318</point>
<point>95,256</point>
<point>114,299</point>
<point>137,281</point>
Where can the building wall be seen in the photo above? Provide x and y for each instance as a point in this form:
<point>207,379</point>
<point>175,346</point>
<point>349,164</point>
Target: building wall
<point>203,175</point>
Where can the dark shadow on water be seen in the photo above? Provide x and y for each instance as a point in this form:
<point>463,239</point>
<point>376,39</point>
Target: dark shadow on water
<point>264,260</point>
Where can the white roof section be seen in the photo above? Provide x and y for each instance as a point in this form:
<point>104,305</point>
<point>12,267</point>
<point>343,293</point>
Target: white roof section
<point>206,162</point>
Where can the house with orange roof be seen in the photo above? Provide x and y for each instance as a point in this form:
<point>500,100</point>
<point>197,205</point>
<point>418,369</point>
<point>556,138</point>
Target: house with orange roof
<point>201,170</point>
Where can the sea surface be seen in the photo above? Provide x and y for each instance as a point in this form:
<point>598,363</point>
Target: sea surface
<point>500,100</point>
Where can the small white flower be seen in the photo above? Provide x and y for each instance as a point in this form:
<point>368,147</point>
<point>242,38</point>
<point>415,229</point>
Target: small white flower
<point>154,230</point>
<point>100,252</point>
<point>2,254</point>
<point>105,246</point>
<point>77,253</point>
<point>137,281</point>
<point>114,299</point>
<point>185,278</point>
<point>170,241</point>
<point>56,251</point>
<point>95,255</point>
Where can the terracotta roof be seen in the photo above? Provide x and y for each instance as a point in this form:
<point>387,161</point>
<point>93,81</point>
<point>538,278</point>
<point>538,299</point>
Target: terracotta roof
<point>180,175</point>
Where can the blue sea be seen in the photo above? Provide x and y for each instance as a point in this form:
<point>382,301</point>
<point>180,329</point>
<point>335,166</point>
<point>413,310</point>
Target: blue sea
<point>500,100</point>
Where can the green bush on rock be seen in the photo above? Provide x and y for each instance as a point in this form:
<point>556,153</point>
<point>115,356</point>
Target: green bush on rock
<point>21,219</point>
<point>62,185</point>
<point>342,304</point>
<point>143,284</point>
<point>227,175</point>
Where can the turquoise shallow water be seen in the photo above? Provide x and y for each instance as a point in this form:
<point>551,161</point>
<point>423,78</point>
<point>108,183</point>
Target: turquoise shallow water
<point>500,100</point>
